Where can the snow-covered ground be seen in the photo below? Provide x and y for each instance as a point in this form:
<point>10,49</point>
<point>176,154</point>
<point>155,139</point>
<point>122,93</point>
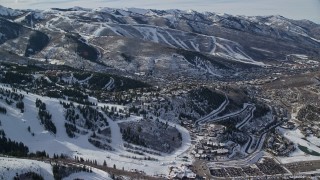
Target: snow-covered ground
<point>95,175</point>
<point>299,139</point>
<point>9,167</point>
<point>15,125</point>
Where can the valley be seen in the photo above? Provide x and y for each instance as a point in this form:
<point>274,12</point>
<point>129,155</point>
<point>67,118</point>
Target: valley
<point>117,94</point>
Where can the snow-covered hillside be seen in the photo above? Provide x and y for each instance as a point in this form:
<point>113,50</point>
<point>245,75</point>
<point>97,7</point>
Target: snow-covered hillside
<point>9,12</point>
<point>155,42</point>
<point>15,125</point>
<point>10,167</point>
<point>96,175</point>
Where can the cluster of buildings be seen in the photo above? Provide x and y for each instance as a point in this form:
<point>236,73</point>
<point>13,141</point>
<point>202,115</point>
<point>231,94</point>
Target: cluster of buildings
<point>278,145</point>
<point>182,172</point>
<point>207,147</point>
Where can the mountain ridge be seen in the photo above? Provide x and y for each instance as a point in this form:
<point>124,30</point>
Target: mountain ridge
<point>149,41</point>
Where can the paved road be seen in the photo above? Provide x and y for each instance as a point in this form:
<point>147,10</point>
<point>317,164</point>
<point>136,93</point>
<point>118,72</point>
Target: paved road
<point>246,106</point>
<point>214,113</point>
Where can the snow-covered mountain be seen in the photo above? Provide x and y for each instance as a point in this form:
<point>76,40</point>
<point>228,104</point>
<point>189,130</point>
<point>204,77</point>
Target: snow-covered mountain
<point>156,42</point>
<point>135,91</point>
<point>9,12</point>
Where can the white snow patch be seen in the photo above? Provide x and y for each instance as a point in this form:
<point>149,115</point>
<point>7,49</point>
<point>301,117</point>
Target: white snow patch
<point>9,167</point>
<point>95,175</point>
<point>263,50</point>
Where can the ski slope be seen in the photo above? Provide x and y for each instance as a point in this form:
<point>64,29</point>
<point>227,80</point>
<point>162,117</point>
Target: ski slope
<point>95,175</point>
<point>9,167</point>
<point>15,125</point>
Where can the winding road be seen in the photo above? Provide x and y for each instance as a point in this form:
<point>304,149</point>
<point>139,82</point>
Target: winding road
<point>202,121</point>
<point>109,85</point>
<point>239,125</point>
<point>214,113</point>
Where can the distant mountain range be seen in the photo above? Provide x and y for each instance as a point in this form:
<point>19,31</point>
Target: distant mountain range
<point>294,9</point>
<point>155,42</point>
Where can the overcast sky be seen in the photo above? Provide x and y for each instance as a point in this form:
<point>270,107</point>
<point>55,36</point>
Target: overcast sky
<point>295,9</point>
